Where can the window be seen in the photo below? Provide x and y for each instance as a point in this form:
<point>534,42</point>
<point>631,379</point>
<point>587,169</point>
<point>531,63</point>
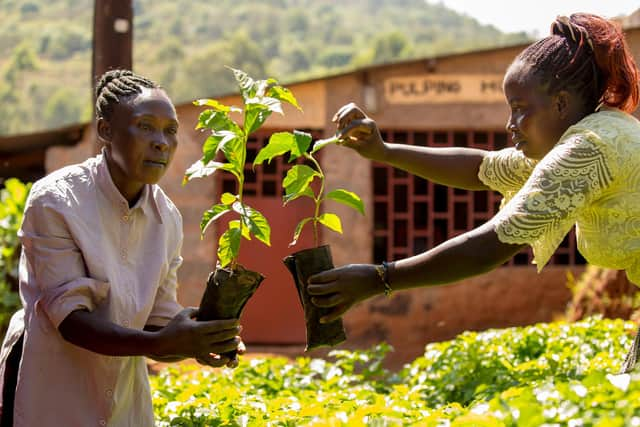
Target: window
<point>412,215</point>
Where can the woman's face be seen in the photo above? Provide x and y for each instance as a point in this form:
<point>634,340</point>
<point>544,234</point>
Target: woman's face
<point>537,119</point>
<point>141,140</point>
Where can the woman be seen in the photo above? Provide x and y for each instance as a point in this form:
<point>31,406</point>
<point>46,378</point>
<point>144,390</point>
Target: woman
<point>575,161</point>
<point>101,249</point>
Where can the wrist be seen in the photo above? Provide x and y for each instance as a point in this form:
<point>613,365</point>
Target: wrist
<point>156,344</point>
<point>381,154</point>
<point>382,271</point>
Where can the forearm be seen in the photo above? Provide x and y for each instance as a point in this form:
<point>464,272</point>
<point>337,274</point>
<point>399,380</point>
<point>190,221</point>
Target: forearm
<point>475,252</point>
<point>92,333</point>
<point>158,358</point>
<point>450,166</point>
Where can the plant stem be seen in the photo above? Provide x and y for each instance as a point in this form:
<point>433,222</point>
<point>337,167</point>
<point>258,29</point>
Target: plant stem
<point>317,199</point>
<point>243,152</point>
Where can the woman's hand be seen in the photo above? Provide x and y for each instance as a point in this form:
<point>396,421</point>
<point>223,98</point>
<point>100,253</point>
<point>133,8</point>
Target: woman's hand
<point>339,289</point>
<point>356,130</point>
<point>203,340</point>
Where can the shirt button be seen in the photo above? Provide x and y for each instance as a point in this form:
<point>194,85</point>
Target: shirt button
<point>125,218</point>
<point>103,423</point>
<point>109,393</point>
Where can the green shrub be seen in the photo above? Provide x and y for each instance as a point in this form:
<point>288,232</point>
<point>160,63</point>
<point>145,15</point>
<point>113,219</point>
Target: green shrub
<point>12,202</point>
<point>554,374</point>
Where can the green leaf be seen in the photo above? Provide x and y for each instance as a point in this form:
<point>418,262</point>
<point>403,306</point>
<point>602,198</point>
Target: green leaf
<point>200,169</point>
<point>279,143</point>
<point>247,85</point>
<point>203,118</point>
<point>299,227</point>
<point>218,140</point>
<point>297,180</point>
<point>321,143</point>
<point>217,121</point>
<point>234,150</point>
<point>211,215</point>
<point>347,198</point>
<point>331,221</point>
<point>229,246</point>
<point>245,231</point>
<point>228,198</point>
<point>307,192</point>
<point>217,106</point>
<point>283,94</point>
<point>17,191</point>
<point>303,140</point>
<point>210,148</point>
<point>262,86</point>
<point>272,104</point>
<point>254,116</point>
<point>257,224</point>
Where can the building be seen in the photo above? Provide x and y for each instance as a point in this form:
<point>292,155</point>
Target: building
<point>450,100</point>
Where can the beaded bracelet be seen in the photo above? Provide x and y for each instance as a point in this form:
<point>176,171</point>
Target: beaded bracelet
<point>383,274</point>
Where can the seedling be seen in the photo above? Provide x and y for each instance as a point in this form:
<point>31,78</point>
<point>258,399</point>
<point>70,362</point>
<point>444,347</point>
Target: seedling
<point>298,181</point>
<point>260,98</point>
<point>305,263</point>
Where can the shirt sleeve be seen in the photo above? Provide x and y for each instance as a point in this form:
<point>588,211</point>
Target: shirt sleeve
<point>166,305</point>
<point>566,181</point>
<point>505,171</point>
<point>55,264</point>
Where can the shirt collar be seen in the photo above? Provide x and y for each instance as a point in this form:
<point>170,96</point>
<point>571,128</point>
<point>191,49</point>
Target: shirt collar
<point>147,201</point>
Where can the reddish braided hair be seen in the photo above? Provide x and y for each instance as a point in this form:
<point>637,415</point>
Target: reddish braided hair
<point>586,54</point>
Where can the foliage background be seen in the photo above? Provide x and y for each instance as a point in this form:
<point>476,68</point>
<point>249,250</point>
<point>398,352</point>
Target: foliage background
<point>557,374</point>
<point>45,47</point>
<point>12,203</point>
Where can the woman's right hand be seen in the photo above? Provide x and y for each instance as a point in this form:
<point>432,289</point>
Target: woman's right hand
<point>339,289</point>
<point>358,131</point>
<point>203,340</point>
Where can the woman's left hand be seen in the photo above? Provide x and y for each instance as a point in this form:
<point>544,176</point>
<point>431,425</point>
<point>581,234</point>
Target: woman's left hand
<point>339,289</point>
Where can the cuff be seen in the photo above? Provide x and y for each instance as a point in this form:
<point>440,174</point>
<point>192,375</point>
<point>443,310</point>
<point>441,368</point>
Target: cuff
<point>163,315</point>
<point>79,294</point>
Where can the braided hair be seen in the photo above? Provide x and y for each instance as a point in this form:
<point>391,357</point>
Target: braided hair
<point>115,85</point>
<point>587,55</point>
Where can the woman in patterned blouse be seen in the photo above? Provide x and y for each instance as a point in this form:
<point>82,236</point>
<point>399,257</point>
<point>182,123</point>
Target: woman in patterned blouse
<point>576,161</point>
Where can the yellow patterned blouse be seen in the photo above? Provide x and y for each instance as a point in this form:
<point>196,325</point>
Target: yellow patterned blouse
<point>591,178</point>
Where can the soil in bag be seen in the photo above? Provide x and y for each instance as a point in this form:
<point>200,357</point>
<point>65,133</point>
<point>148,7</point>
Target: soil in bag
<point>302,265</point>
<point>227,293</point>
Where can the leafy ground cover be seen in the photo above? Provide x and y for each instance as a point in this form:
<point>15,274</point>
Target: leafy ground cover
<point>12,201</point>
<point>556,374</point>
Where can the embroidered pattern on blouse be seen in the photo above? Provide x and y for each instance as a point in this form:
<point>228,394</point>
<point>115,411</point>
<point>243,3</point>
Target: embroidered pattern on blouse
<point>506,171</point>
<point>591,178</point>
<point>569,177</point>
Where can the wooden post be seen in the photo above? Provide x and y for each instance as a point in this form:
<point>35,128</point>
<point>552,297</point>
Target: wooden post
<point>112,41</point>
<point>112,36</point>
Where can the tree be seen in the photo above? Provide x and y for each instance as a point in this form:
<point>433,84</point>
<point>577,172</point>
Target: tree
<point>62,108</point>
<point>390,46</point>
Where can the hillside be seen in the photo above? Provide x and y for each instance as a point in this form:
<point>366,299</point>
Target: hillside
<point>45,47</point>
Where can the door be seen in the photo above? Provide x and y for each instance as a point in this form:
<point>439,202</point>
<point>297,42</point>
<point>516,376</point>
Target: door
<point>274,314</point>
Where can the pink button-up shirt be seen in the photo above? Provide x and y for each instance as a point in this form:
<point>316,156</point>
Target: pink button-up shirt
<point>84,248</point>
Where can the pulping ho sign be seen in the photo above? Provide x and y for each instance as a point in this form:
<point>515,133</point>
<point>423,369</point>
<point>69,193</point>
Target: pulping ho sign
<point>444,88</point>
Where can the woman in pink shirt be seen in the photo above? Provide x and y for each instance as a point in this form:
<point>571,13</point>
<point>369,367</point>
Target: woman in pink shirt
<point>101,248</point>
